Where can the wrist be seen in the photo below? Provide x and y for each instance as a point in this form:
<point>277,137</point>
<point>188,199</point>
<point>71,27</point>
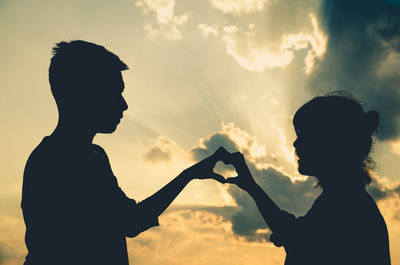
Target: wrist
<point>251,185</point>
<point>186,175</point>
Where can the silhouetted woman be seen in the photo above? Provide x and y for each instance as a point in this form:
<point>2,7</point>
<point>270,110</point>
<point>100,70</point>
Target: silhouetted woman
<point>344,225</point>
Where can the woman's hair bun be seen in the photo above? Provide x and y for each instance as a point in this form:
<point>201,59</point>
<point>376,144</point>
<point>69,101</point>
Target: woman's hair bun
<point>371,121</point>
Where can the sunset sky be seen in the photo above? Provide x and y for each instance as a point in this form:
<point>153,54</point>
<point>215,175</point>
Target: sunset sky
<point>204,73</point>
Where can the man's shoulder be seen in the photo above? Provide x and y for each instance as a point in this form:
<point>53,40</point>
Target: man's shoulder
<point>43,151</point>
<point>47,154</point>
<point>98,149</point>
<point>100,153</point>
<point>39,170</point>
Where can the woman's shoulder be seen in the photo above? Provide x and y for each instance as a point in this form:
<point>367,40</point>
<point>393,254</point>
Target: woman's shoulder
<point>362,212</point>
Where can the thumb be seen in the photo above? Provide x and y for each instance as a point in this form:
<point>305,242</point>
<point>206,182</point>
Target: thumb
<point>233,180</point>
<point>218,177</point>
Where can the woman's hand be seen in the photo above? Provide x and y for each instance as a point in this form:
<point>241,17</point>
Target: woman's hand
<point>244,180</point>
<point>204,168</point>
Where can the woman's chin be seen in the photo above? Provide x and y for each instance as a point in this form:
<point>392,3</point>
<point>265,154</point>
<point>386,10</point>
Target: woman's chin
<point>304,170</point>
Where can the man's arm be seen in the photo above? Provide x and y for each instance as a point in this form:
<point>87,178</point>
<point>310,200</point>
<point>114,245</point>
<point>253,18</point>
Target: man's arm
<point>159,201</point>
<point>149,209</point>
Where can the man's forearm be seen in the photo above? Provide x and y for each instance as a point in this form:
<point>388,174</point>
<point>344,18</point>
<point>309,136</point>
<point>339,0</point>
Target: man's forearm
<point>157,203</point>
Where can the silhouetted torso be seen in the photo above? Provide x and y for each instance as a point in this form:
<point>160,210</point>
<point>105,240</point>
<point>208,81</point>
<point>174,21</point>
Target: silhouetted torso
<point>74,211</point>
<point>343,227</point>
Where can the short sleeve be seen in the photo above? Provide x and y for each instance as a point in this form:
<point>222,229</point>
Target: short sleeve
<point>133,218</point>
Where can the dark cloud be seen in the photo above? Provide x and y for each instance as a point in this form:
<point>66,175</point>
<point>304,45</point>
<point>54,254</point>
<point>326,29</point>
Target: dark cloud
<point>362,56</point>
<point>226,212</point>
<point>156,154</point>
<point>246,220</point>
<point>211,144</point>
<point>295,197</point>
<point>4,254</point>
<point>379,192</point>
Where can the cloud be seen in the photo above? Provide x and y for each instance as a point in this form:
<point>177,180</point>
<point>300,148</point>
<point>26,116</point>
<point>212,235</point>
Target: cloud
<point>240,44</point>
<point>244,217</point>
<point>183,231</point>
<point>197,236</point>
<point>246,220</point>
<point>238,6</point>
<point>207,30</point>
<point>380,191</point>
<point>363,57</point>
<point>255,53</point>
<point>163,150</point>
<point>233,139</point>
<point>155,154</point>
<point>290,193</point>
<point>3,254</point>
<point>12,247</point>
<point>258,34</point>
<point>294,196</point>
<point>166,24</point>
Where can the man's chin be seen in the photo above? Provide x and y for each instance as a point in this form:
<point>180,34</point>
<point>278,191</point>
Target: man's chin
<point>109,129</point>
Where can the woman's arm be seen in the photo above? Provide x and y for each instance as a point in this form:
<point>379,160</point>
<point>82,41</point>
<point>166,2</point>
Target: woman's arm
<point>272,214</point>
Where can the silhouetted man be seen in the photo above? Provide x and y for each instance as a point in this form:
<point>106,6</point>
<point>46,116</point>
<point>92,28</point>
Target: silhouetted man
<point>74,211</point>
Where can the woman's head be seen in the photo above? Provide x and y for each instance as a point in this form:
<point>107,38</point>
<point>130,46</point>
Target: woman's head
<point>334,134</point>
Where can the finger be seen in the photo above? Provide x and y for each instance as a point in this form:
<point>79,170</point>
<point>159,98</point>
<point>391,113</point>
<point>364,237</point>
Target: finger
<point>237,156</point>
<point>221,149</point>
<point>233,180</point>
<point>222,154</point>
<point>237,159</point>
<point>240,163</point>
<point>218,178</point>
<point>227,157</point>
<point>208,162</point>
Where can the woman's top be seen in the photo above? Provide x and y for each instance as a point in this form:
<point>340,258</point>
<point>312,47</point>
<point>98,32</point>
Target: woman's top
<point>342,227</point>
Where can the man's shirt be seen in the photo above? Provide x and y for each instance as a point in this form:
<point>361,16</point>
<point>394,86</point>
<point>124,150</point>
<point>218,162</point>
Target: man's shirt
<point>74,211</point>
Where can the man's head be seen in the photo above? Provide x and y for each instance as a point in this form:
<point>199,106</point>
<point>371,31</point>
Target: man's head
<point>86,83</point>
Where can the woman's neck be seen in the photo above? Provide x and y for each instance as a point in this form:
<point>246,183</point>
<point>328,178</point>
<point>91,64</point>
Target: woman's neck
<point>342,180</point>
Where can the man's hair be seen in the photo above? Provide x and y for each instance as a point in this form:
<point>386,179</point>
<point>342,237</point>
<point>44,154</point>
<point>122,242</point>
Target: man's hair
<point>79,63</point>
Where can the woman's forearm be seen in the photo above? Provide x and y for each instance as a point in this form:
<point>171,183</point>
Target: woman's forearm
<point>268,209</point>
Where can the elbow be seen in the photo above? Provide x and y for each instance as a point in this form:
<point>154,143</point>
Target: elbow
<point>138,228</point>
<point>132,234</point>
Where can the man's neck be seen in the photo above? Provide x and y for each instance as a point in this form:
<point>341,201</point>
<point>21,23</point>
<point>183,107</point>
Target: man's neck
<point>73,133</point>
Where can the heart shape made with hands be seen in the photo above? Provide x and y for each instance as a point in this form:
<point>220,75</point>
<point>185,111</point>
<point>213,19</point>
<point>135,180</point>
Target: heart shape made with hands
<point>235,159</point>
<point>223,155</point>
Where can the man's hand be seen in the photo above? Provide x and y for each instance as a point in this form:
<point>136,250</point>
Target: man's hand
<point>204,168</point>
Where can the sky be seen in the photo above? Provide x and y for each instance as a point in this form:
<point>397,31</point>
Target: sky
<point>204,74</point>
